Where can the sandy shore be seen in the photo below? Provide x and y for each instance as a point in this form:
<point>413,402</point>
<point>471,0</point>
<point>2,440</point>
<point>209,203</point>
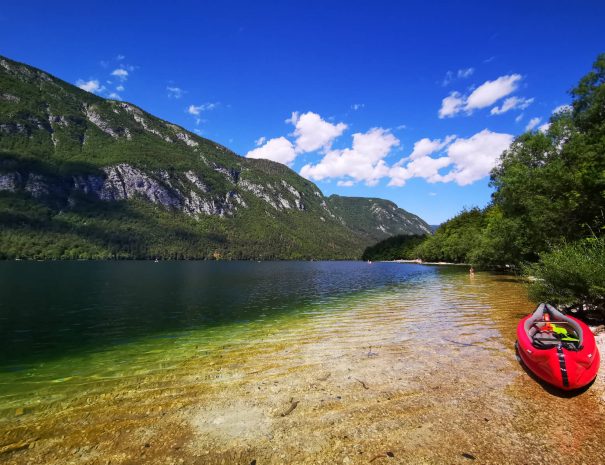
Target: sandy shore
<point>600,382</point>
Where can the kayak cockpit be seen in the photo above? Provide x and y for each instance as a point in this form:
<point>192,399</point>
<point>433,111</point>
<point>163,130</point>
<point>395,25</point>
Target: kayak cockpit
<point>547,328</point>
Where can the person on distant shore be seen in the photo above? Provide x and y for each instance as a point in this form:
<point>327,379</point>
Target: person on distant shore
<point>472,271</point>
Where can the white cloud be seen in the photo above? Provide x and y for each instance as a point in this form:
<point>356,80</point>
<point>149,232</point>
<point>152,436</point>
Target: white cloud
<point>279,149</point>
<point>468,159</point>
<point>512,103</point>
<point>120,73</point>
<point>533,123</point>
<point>114,96</point>
<point>426,146</point>
<point>451,105</point>
<point>195,110</point>
<point>425,167</point>
<point>519,118</point>
<point>474,158</point>
<point>120,88</point>
<point>401,127</point>
<point>92,86</point>
<point>432,194</point>
<point>491,91</point>
<point>449,159</point>
<point>174,92</point>
<point>357,106</point>
<point>562,108</point>
<point>464,73</point>
<point>460,74</point>
<point>120,57</point>
<point>483,96</point>
<point>364,161</point>
<point>313,133</point>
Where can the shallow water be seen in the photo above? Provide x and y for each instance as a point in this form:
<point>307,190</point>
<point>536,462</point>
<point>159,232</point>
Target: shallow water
<point>203,362</point>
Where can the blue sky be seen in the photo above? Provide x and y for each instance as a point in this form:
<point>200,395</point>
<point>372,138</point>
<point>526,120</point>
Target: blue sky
<point>351,93</point>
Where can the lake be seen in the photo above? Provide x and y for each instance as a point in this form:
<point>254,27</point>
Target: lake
<point>275,362</point>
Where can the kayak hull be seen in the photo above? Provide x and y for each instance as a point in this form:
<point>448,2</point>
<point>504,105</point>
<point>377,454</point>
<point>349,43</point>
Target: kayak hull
<point>565,369</point>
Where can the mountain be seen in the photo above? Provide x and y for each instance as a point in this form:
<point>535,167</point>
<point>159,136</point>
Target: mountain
<point>86,177</point>
<point>375,219</point>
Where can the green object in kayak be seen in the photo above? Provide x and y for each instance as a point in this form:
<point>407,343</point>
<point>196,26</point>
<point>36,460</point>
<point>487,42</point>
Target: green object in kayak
<point>563,332</point>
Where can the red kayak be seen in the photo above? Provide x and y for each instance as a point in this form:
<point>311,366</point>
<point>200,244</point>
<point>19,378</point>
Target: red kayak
<point>557,348</point>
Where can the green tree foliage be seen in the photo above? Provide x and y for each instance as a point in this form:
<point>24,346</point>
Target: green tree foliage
<point>454,240</point>
<point>394,248</point>
<point>589,100</point>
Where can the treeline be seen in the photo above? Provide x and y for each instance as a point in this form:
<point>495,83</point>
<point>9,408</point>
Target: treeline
<point>547,214</point>
<point>94,230</point>
<point>393,248</point>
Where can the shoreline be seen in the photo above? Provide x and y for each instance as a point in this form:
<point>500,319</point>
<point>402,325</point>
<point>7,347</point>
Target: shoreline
<point>420,262</point>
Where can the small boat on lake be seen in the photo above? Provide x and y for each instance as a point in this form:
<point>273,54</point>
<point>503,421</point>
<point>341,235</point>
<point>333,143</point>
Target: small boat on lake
<point>558,348</point>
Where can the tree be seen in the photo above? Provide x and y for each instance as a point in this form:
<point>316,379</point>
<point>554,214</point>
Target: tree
<point>589,99</point>
<point>552,184</point>
<point>454,240</point>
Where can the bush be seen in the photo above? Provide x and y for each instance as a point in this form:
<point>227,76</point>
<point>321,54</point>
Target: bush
<point>572,275</point>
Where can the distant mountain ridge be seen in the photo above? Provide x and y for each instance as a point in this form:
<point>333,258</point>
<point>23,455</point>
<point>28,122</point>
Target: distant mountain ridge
<point>376,219</point>
<point>86,177</point>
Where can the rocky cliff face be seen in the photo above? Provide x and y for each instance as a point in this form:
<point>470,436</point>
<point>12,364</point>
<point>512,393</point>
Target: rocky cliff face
<point>182,191</point>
